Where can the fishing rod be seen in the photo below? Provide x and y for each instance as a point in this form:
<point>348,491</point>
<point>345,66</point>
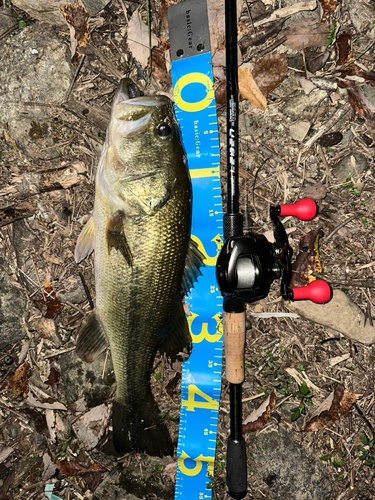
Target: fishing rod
<point>246,267</point>
<point>233,308</point>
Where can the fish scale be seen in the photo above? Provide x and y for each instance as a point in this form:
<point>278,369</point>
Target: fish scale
<point>145,291</point>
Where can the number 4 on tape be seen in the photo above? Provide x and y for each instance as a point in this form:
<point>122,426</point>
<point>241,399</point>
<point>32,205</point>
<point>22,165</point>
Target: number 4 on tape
<point>195,108</point>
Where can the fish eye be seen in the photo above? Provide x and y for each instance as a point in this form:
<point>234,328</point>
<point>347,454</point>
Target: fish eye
<point>164,130</point>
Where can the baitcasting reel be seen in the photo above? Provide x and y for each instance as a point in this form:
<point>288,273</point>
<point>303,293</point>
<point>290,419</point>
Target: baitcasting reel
<point>247,265</point>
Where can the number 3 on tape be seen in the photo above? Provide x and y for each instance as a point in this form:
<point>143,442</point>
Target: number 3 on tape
<point>201,374</point>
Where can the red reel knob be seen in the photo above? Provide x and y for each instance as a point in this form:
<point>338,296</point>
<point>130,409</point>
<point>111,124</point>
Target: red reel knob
<point>318,291</point>
<point>305,209</point>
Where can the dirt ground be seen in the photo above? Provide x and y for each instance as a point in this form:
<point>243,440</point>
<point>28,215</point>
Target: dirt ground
<point>275,168</point>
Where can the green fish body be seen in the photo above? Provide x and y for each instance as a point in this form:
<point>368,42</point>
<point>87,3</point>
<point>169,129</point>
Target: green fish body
<point>144,260</point>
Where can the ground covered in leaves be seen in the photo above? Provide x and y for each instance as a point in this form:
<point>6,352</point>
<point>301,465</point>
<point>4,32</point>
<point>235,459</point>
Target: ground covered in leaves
<point>306,129</point>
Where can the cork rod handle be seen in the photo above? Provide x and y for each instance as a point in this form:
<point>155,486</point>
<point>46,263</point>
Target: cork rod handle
<point>234,342</point>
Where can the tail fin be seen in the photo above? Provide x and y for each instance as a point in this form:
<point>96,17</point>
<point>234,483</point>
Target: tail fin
<point>140,428</point>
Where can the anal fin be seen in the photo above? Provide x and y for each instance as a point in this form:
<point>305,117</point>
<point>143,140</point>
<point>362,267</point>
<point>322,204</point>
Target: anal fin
<point>92,340</point>
<point>116,238</point>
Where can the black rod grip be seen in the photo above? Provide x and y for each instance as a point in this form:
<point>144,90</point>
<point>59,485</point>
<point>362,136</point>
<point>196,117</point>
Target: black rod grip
<point>236,468</point>
<point>233,224</point>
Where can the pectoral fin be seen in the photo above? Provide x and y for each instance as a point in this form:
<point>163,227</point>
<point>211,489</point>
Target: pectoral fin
<point>92,340</point>
<point>194,261</point>
<point>116,238</point>
<point>86,241</point>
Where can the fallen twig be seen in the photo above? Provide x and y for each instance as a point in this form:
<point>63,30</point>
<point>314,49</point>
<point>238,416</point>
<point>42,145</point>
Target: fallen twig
<point>340,314</point>
<point>92,114</point>
<point>91,49</point>
<point>15,212</point>
<point>31,184</point>
<point>78,69</point>
<point>287,11</point>
<point>340,113</point>
<point>344,223</point>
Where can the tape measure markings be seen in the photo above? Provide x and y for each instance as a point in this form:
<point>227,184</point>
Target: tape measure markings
<point>200,384</point>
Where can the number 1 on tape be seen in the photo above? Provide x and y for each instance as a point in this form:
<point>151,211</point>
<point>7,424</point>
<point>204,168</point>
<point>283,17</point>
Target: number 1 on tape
<point>195,108</point>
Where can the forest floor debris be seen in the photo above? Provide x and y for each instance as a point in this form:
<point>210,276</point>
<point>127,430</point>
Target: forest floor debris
<point>51,132</point>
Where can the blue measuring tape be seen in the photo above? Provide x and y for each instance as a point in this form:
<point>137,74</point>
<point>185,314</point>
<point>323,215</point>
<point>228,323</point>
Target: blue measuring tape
<point>195,109</point>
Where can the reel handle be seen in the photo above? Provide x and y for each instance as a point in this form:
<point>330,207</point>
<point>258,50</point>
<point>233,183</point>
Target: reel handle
<point>305,209</point>
<point>318,291</point>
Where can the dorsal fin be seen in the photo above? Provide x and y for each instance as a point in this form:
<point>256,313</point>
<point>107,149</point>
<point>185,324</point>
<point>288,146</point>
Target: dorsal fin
<point>193,263</point>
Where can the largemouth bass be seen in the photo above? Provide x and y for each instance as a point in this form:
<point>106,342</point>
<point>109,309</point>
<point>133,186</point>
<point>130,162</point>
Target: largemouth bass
<point>144,260</point>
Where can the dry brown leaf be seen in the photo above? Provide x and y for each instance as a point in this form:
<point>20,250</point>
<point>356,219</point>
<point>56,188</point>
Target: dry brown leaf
<point>92,480</point>
<point>78,406</point>
<point>361,105</point>
<point>91,426</point>
<point>270,71</point>
<point>262,35</point>
<point>46,405</point>
<point>161,64</point>
<point>220,93</point>
<point>332,409</point>
<point>329,7</point>
<point>163,21</point>
<point>138,42</point>
<point>53,376</point>
<point>20,381</point>
<point>316,191</point>
<point>343,52</point>
<point>50,306</point>
<point>316,60</point>
<point>249,89</point>
<point>307,260</point>
<point>270,235</point>
<point>49,467</point>
<point>303,33</point>
<point>351,75</point>
<point>260,416</point>
<point>307,85</point>
<point>170,471</point>
<point>75,15</point>
<point>172,384</point>
<point>5,452</point>
<point>69,468</point>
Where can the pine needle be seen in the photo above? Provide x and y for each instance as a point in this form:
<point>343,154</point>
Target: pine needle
<point>248,11</point>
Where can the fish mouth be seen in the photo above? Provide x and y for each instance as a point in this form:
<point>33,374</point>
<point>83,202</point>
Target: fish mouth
<point>133,110</point>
